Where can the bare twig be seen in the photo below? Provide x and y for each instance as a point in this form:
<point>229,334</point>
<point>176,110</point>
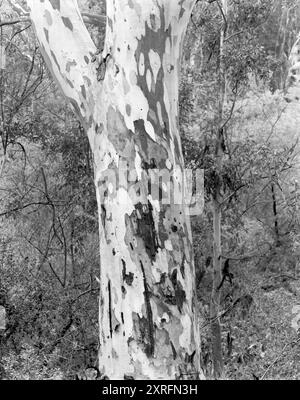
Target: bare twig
<point>22,207</point>
<point>13,22</point>
<point>278,357</point>
<point>240,258</point>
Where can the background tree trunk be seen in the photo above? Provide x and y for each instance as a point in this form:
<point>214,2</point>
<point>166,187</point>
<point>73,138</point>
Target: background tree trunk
<point>129,108</point>
<point>275,214</point>
<point>217,211</point>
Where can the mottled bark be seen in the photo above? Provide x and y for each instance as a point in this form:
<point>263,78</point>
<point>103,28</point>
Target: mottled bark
<point>129,108</point>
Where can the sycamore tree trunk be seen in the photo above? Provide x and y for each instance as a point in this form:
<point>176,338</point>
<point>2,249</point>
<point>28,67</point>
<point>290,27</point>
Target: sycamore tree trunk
<point>129,109</point>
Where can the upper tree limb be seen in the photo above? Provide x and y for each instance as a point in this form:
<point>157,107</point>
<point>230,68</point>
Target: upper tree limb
<point>67,49</point>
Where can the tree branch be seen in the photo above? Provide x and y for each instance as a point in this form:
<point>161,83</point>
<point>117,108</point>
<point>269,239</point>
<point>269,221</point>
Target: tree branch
<point>75,78</point>
<point>35,203</point>
<point>94,19</point>
<point>88,18</point>
<point>14,21</point>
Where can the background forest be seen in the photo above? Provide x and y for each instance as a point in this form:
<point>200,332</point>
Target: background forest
<point>49,257</point>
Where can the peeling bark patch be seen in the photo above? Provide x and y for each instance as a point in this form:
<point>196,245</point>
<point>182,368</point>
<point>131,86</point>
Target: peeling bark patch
<point>189,358</point>
<point>90,122</point>
<point>182,266</point>
<point>67,22</point>
<point>146,229</point>
<point>154,21</point>
<point>99,128</point>
<point>177,147</point>
<point>163,233</point>
<point>126,86</point>
<point>174,228</point>
<point>69,65</point>
<point>55,60</point>
<point>48,17</point>
<point>70,83</point>
<point>103,216</point>
<point>172,291</point>
<point>180,295</point>
<point>147,324</point>
<point>115,322</point>
<point>55,4</point>
<point>46,34</point>
<point>114,354</point>
<point>174,277</point>
<point>152,117</point>
<point>182,10</point>
<point>128,278</point>
<point>118,133</point>
<point>87,80</point>
<point>151,165</point>
<point>128,109</point>
<point>83,91</point>
<point>150,148</point>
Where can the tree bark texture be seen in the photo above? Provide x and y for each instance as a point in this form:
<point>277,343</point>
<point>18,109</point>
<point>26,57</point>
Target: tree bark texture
<point>128,105</point>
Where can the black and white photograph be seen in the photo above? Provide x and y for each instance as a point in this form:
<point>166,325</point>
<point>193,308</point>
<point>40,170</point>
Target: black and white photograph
<point>149,193</point>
